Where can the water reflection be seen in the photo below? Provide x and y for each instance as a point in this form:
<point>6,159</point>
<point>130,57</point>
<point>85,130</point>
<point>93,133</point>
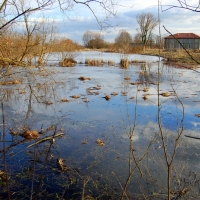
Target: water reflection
<point>133,148</point>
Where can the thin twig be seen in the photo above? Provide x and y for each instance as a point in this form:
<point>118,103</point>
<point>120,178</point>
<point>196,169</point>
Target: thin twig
<point>43,169</point>
<point>4,151</point>
<point>46,139</point>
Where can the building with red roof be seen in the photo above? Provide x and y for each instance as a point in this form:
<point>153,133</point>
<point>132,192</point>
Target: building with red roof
<point>188,40</point>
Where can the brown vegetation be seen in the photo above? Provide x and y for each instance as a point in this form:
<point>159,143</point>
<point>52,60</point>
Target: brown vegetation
<point>68,62</point>
<point>83,78</point>
<point>29,135</point>
<point>165,94</point>
<point>64,100</point>
<point>61,165</point>
<point>76,96</point>
<point>94,62</point>
<point>137,61</point>
<point>100,142</point>
<point>145,97</point>
<point>177,56</point>
<point>107,97</point>
<point>124,63</point>
<point>114,93</point>
<point>10,82</point>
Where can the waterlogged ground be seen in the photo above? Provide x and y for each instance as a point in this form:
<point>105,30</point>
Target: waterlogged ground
<point>131,162</point>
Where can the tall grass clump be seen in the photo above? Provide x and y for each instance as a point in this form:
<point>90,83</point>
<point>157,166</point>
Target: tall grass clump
<point>124,63</point>
<point>94,62</point>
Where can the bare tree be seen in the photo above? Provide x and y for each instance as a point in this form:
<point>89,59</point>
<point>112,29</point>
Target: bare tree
<point>87,37</point>
<point>93,40</point>
<point>147,22</point>
<point>123,41</point>
<point>123,38</point>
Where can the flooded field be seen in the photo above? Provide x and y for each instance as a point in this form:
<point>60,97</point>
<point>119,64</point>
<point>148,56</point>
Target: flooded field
<point>103,132</point>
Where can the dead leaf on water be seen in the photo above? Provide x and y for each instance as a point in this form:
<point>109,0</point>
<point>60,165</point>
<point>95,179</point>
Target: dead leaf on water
<point>124,93</point>
<point>100,142</point>
<point>83,78</point>
<point>114,93</point>
<point>65,100</point>
<point>2,175</point>
<point>165,94</point>
<point>61,165</point>
<point>76,96</point>
<point>145,89</point>
<point>145,97</point>
<point>127,78</point>
<point>107,97</point>
<point>48,102</point>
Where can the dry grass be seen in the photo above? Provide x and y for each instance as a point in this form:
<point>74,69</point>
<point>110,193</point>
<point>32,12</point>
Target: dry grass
<point>111,63</point>
<point>176,56</point>
<point>83,78</point>
<point>94,62</point>
<point>10,82</point>
<point>137,61</point>
<point>29,135</point>
<point>68,62</point>
<point>124,63</point>
<point>98,62</point>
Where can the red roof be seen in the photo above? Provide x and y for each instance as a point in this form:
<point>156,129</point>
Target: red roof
<point>183,36</point>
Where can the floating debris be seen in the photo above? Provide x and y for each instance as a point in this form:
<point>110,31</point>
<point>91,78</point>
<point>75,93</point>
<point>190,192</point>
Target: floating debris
<point>2,176</point>
<point>84,141</point>
<point>86,100</point>
<point>61,165</point>
<point>100,142</point>
<point>145,89</point>
<point>48,102</point>
<point>114,93</point>
<point>83,78</point>
<point>76,96</point>
<point>107,97</point>
<point>197,115</point>
<point>22,92</point>
<point>165,94</point>
<point>146,97</point>
<point>65,100</point>
<point>136,83</point>
<point>127,78</point>
<point>29,135</point>
<point>90,90</point>
<point>124,93</point>
<point>133,83</point>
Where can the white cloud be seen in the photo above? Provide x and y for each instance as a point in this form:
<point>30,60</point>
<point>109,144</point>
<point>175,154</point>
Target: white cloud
<point>75,23</point>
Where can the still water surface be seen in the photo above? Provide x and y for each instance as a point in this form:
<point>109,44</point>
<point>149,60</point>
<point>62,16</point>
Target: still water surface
<point>92,117</point>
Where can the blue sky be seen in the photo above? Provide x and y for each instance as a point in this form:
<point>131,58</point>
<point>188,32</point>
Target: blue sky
<point>79,19</point>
